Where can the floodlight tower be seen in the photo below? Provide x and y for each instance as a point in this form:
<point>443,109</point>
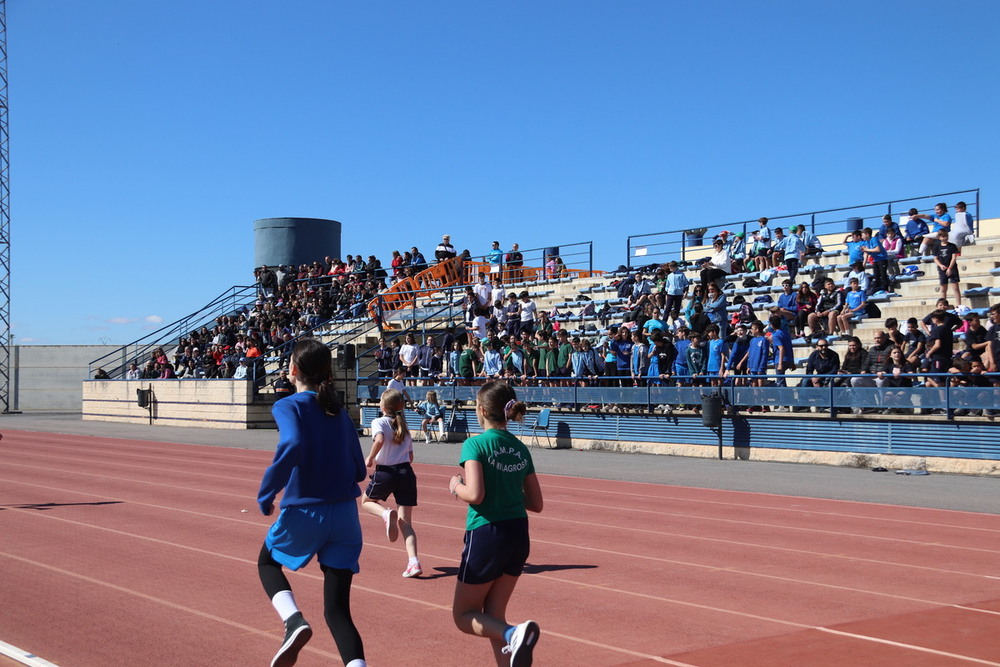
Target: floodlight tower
<point>5,337</point>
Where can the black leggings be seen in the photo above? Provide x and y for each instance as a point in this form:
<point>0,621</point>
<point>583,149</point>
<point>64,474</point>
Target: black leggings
<point>336,601</point>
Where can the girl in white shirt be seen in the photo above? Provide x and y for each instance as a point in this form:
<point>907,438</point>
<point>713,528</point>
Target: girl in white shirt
<point>391,455</point>
<point>529,312</point>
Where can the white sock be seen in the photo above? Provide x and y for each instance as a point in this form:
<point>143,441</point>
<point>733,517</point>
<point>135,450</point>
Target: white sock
<point>357,662</point>
<point>385,514</point>
<point>284,604</point>
<point>413,561</point>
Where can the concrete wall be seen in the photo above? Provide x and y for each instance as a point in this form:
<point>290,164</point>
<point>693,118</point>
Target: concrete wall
<point>47,377</point>
<point>228,404</point>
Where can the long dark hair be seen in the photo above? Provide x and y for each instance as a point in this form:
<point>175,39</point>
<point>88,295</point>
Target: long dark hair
<point>315,366</point>
<point>499,402</point>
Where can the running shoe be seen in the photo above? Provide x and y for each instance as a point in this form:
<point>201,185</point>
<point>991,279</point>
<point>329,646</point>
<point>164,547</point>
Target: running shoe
<point>297,633</point>
<point>413,570</point>
<point>391,529</point>
<point>522,642</point>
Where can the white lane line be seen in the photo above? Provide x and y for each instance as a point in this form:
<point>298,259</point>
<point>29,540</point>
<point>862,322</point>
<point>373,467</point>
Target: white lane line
<point>24,657</point>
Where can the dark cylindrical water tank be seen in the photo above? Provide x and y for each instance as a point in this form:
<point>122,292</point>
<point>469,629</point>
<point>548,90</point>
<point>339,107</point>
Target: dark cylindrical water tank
<point>295,240</point>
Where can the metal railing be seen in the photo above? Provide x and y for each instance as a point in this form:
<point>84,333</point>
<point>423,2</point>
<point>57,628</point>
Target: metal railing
<point>571,259</point>
<point>230,301</point>
<point>689,244</point>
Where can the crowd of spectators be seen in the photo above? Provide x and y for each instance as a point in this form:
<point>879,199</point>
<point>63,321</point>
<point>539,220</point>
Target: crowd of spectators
<point>669,331</point>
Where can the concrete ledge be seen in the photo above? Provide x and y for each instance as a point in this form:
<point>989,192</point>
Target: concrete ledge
<point>935,464</point>
<point>227,404</point>
<point>842,459</point>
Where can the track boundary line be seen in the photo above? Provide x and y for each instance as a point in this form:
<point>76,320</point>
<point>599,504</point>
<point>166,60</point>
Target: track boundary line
<point>914,647</point>
<point>24,657</point>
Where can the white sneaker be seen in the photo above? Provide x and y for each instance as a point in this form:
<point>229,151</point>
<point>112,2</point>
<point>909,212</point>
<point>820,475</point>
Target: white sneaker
<point>522,642</point>
<point>391,528</point>
<point>413,570</point>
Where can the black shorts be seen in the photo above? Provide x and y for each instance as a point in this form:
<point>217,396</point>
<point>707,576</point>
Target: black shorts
<point>944,278</point>
<point>494,550</point>
<point>397,480</point>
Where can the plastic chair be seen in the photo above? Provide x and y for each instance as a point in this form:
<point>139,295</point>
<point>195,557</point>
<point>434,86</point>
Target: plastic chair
<point>541,424</point>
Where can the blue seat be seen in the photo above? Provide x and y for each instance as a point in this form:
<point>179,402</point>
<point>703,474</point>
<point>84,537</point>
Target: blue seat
<point>541,424</point>
<point>976,291</point>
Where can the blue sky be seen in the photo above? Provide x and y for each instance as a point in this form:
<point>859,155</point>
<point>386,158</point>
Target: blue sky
<point>146,137</point>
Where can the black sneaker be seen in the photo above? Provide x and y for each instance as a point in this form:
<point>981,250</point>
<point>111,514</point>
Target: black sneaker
<point>297,634</point>
<point>522,642</point>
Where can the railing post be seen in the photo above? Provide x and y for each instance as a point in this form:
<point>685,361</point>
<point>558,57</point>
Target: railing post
<point>978,214</point>
<point>812,226</point>
<point>833,409</point>
<point>947,399</point>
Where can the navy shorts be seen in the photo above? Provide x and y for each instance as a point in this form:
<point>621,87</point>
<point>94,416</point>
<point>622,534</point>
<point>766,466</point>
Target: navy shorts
<point>398,481</point>
<point>944,278</point>
<point>332,532</point>
<point>494,550</point>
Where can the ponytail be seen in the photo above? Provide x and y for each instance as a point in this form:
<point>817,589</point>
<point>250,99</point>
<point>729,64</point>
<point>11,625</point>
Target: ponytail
<point>392,403</point>
<point>315,365</point>
<point>499,402</point>
<point>328,398</point>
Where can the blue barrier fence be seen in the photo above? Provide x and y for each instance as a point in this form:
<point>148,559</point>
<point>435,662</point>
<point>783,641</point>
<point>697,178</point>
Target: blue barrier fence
<point>831,400</point>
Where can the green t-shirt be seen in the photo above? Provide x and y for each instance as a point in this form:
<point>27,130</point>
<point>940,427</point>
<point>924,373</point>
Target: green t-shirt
<point>467,362</point>
<point>547,359</point>
<point>506,462</point>
<point>565,350</point>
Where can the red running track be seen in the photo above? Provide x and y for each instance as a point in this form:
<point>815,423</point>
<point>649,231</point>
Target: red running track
<point>124,552</point>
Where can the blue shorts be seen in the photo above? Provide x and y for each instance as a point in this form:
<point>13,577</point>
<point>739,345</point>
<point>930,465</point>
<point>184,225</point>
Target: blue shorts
<point>332,532</point>
<point>494,550</point>
<point>398,481</point>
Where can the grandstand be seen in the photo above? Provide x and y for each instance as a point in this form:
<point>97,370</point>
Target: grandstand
<point>937,428</point>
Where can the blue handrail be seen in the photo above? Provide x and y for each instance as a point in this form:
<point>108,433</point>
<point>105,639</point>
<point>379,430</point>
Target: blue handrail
<point>671,244</point>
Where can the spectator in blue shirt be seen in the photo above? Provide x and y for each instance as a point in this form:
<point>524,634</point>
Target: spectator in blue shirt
<point>781,344</point>
<point>887,224</point>
<point>872,247</point>
<point>935,223</point>
<point>788,307</point>
<point>853,241</point>
<point>814,248</point>
<point>856,303</point>
<point>675,286</point>
<point>793,248</point>
<point>916,229</point>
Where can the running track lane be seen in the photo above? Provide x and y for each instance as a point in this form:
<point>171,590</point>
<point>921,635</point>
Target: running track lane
<point>128,552</point>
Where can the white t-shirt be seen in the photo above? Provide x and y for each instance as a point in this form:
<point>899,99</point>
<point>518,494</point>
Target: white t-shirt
<point>391,453</point>
<point>480,326</point>
<point>528,310</point>
<point>483,292</point>
<point>408,354</point>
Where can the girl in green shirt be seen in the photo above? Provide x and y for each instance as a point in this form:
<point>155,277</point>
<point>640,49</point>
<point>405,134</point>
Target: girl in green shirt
<point>500,487</point>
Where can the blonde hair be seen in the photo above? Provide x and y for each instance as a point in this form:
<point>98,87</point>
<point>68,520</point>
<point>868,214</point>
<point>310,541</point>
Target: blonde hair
<point>392,402</point>
<point>432,397</point>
